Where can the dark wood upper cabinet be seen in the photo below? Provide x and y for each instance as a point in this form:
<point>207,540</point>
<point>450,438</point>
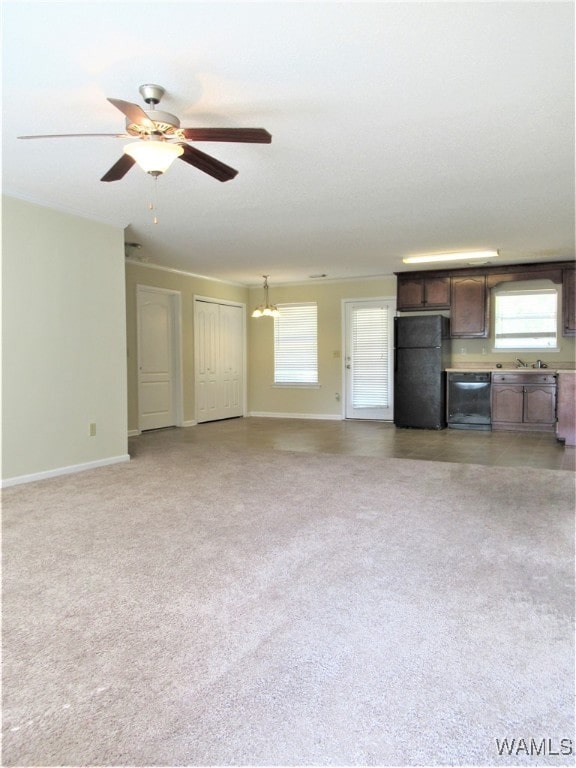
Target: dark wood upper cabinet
<point>469,309</point>
<point>437,293</point>
<point>569,303</point>
<point>466,293</point>
<point>423,293</point>
<point>410,293</point>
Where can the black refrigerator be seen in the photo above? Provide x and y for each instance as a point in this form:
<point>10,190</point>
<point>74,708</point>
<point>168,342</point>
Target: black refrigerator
<point>421,355</point>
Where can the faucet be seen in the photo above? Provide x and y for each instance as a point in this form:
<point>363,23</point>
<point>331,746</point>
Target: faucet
<point>520,363</point>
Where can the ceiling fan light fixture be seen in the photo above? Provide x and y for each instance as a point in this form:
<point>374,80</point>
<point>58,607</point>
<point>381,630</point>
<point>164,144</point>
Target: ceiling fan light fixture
<point>154,157</point>
<point>266,309</point>
<point>455,256</point>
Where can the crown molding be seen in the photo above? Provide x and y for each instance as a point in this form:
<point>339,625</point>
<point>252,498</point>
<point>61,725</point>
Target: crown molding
<point>172,270</point>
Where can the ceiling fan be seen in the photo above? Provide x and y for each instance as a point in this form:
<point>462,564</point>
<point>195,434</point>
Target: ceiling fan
<point>162,139</point>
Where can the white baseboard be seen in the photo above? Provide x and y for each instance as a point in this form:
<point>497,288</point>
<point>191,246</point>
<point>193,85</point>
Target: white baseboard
<point>136,432</point>
<point>20,479</point>
<point>276,415</point>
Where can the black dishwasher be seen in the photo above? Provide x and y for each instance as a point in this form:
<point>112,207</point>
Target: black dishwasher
<point>469,400</point>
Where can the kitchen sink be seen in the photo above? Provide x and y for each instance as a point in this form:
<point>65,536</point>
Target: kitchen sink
<point>524,370</point>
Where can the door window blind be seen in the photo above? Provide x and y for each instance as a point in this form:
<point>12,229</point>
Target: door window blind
<point>370,378</point>
<point>296,344</point>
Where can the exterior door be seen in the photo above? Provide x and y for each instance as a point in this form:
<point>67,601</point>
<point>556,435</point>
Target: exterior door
<point>158,390</point>
<point>219,360</point>
<point>369,359</point>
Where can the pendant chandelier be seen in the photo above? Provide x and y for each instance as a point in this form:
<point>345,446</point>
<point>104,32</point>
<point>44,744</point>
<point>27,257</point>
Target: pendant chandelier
<point>266,309</point>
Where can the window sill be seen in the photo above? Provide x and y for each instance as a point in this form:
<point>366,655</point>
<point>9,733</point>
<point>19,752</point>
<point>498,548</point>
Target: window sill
<point>295,385</point>
<point>525,350</point>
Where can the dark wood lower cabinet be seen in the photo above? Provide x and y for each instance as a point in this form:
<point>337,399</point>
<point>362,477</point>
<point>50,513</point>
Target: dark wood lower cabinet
<point>566,407</point>
<point>524,402</point>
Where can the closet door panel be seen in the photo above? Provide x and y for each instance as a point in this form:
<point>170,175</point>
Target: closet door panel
<point>219,355</point>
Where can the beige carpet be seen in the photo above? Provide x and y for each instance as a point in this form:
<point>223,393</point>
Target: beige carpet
<point>205,606</point>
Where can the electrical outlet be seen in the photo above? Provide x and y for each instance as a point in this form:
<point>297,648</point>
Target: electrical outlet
<point>92,431</point>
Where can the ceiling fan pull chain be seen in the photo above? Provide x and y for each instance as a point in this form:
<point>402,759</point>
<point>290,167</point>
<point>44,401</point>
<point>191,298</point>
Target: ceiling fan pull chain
<point>153,206</point>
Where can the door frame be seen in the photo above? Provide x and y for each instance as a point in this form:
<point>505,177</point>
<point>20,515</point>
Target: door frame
<point>365,299</point>
<point>177,384</point>
<point>211,300</point>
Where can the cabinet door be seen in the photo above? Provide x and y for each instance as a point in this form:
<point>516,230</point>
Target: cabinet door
<point>469,310</point>
<point>566,408</point>
<point>540,405</point>
<point>410,293</point>
<point>437,293</point>
<point>569,302</point>
<point>507,404</point>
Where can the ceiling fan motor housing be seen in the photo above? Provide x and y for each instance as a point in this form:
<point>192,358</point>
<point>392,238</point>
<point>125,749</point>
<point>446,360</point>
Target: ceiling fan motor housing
<point>152,94</point>
<point>164,122</point>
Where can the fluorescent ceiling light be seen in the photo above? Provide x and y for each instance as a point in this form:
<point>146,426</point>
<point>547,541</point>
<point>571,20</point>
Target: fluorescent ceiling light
<point>460,256</point>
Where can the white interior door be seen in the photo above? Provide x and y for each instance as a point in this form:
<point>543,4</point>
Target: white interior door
<point>219,360</point>
<point>157,358</point>
<point>369,359</point>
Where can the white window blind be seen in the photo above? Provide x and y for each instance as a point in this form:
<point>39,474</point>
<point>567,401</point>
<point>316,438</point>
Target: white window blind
<point>295,344</point>
<point>526,319</point>
<point>370,374</point>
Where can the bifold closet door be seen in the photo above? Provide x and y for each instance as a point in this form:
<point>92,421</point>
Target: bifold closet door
<point>231,354</point>
<point>219,352</point>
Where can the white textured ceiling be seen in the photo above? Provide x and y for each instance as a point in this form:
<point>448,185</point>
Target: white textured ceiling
<point>398,128</point>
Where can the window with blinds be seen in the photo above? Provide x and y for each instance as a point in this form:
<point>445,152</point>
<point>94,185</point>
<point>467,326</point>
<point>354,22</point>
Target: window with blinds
<point>526,319</point>
<point>370,379</point>
<point>296,344</point>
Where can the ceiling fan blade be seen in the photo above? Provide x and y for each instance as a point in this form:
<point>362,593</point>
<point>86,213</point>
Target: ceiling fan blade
<point>74,135</point>
<point>134,113</point>
<point>248,135</point>
<point>119,169</point>
<point>208,164</point>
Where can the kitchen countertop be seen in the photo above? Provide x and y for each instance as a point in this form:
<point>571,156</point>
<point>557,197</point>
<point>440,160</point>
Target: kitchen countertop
<point>493,369</point>
<point>504,369</point>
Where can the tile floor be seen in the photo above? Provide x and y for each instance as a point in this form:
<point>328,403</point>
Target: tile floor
<point>372,438</point>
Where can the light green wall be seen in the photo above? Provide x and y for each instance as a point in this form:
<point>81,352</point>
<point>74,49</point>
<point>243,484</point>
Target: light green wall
<point>64,343</point>
<point>262,396</point>
<point>188,286</point>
